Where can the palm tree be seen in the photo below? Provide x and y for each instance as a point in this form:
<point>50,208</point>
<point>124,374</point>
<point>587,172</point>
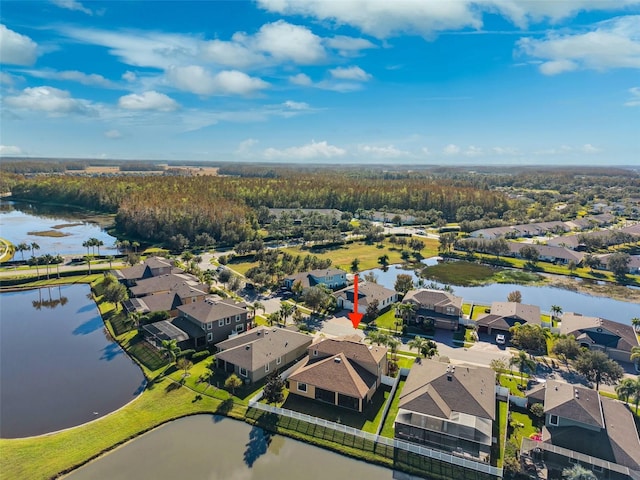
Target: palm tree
<point>233,382</point>
<point>110,259</point>
<point>635,355</point>
<point>625,389</point>
<point>98,243</point>
<point>393,343</point>
<point>135,246</point>
<point>22,247</point>
<point>635,321</point>
<point>427,348</point>
<point>286,309</point>
<point>34,261</point>
<point>171,349</point>
<point>377,337</point>
<point>406,310</point>
<point>556,310</point>
<point>524,363</point>
<point>34,246</point>
<point>48,259</point>
<point>636,392</point>
<point>259,306</point>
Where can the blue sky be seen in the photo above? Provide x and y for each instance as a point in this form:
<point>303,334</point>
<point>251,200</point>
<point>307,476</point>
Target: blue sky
<point>339,81</point>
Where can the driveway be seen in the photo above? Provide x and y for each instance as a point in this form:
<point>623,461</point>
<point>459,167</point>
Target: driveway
<point>339,326</point>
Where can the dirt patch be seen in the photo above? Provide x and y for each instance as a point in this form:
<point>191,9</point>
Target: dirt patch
<point>610,290</point>
<point>49,233</point>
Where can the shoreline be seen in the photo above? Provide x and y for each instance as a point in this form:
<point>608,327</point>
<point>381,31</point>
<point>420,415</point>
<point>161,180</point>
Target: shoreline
<point>605,290</point>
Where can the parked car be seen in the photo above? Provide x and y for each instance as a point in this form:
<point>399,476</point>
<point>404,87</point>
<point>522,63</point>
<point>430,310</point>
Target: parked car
<point>500,340</point>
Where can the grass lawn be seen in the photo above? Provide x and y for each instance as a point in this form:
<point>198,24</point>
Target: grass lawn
<point>387,320</point>
<point>512,384</point>
<point>499,431</point>
<point>524,427</point>
<point>387,428</point>
<point>466,308</point>
<point>367,421</point>
<point>47,456</point>
<point>405,362</point>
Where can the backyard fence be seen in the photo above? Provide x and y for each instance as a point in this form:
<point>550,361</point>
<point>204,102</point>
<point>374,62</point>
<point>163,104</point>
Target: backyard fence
<point>457,460</point>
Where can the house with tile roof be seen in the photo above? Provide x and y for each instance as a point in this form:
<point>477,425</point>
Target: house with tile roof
<point>583,427</point>
<point>263,350</point>
<point>433,307</point>
<point>448,407</point>
<point>342,372</point>
<point>504,315</point>
<point>367,293</point>
<point>613,338</point>
<point>212,321</point>
<point>333,278</point>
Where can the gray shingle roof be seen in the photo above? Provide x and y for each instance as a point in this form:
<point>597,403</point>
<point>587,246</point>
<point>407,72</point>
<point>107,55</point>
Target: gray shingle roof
<point>573,402</point>
<point>258,347</point>
<point>354,350</point>
<point>622,335</point>
<point>210,311</point>
<point>438,389</point>
<point>367,292</point>
<point>163,283</point>
<point>426,296</point>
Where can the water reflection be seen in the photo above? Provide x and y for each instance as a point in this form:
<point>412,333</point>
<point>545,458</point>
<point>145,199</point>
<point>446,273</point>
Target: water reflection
<point>50,302</point>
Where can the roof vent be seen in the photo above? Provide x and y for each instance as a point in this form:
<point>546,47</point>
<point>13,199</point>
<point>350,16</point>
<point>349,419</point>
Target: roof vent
<point>577,393</point>
<point>449,377</point>
<point>337,360</point>
<point>247,347</point>
<point>258,332</point>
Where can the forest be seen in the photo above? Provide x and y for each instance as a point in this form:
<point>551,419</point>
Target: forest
<point>230,208</point>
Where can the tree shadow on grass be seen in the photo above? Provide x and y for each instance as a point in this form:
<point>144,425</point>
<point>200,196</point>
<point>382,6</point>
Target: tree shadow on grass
<point>223,410</point>
<point>171,386</point>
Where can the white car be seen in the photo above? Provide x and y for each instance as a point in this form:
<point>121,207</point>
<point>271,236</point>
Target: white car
<point>500,340</point>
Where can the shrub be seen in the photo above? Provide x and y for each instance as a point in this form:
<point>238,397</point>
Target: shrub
<point>186,353</point>
<point>201,355</point>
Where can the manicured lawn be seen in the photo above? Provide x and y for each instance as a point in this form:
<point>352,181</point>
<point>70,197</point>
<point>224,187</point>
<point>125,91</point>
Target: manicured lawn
<point>367,421</point>
<point>47,456</point>
<point>524,427</point>
<point>466,308</point>
<point>387,320</point>
<point>500,431</point>
<point>405,362</point>
<point>387,428</point>
<point>512,384</point>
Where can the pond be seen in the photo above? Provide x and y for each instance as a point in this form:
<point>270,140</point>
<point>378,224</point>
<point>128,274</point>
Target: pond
<point>20,220</point>
<point>218,448</point>
<point>58,369</point>
<point>544,296</point>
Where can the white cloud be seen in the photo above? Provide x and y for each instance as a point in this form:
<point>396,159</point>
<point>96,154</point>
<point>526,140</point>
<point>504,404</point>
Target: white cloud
<point>284,41</point>
<point>16,49</point>
<point>425,151</point>
<point>113,134</point>
<point>473,151</point>
<point>9,150</point>
<point>141,49</point>
<point>92,79</point>
<point>129,76</point>
<point>588,148</point>
<point>301,79</point>
<point>384,19</point>
<point>609,44</point>
<point>451,149</point>
<point>8,79</point>
<point>150,100</point>
<point>235,53</point>
<point>198,80</point>
<point>72,5</point>
<point>245,146</point>
<point>505,151</point>
<point>348,46</point>
<point>634,101</point>
<point>305,152</point>
<point>50,100</point>
<point>296,105</point>
<point>350,73</point>
<point>388,151</point>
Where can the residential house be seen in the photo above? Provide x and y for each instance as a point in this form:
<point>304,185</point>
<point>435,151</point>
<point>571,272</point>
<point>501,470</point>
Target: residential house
<point>215,320</point>
<point>546,253</point>
<point>613,338</point>
<point>448,407</point>
<point>342,372</point>
<point>263,350</point>
<point>434,307</point>
<point>504,315</point>
<point>333,278</point>
<point>633,266</point>
<point>178,294</point>
<point>151,267</point>
<point>583,427</point>
<point>367,293</point>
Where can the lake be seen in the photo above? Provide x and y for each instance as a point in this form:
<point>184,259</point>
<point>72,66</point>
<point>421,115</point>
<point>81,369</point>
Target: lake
<point>17,219</point>
<point>544,296</point>
<point>58,369</point>
<point>218,448</point>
